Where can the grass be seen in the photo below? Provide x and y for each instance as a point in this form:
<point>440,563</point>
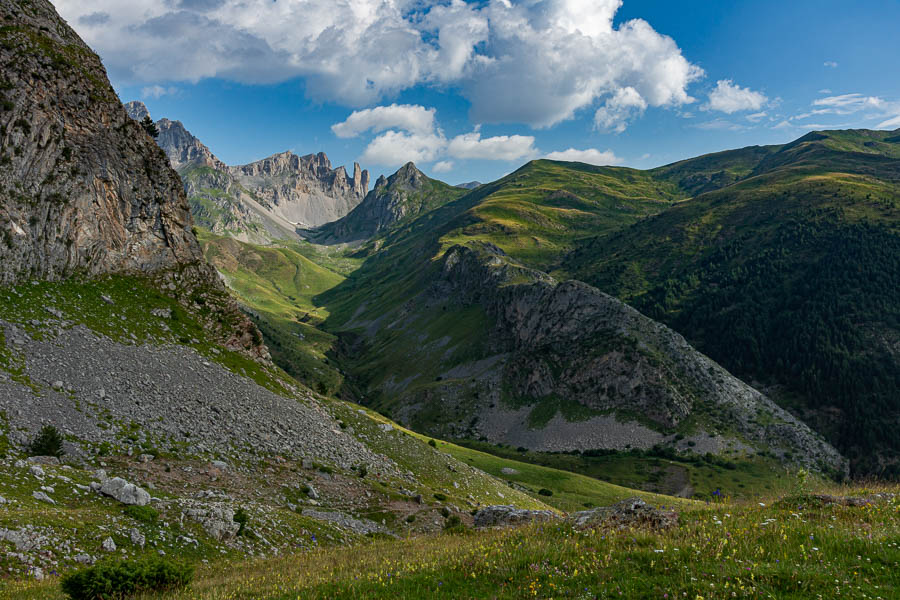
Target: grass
<point>640,470</point>
<point>792,548</point>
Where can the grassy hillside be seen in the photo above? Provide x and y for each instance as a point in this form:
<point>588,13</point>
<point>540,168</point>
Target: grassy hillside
<point>787,277</point>
<point>793,548</point>
<point>540,211</point>
<point>277,284</point>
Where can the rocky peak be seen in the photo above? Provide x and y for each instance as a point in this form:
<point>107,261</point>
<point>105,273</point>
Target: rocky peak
<point>408,176</point>
<point>137,110</point>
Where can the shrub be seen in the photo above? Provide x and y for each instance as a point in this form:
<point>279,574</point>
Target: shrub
<point>454,525</point>
<point>411,519</point>
<point>545,492</point>
<point>362,470</point>
<point>126,579</point>
<point>242,518</point>
<point>440,497</point>
<point>445,512</point>
<point>48,443</point>
<point>432,443</point>
<point>144,514</point>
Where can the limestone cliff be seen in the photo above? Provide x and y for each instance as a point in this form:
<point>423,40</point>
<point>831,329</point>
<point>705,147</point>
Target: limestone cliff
<point>261,201</point>
<point>84,189</point>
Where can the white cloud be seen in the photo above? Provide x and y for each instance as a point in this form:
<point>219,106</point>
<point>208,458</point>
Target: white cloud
<point>158,91</point>
<point>444,166</point>
<point>756,117</point>
<point>846,104</point>
<point>892,123</point>
<point>501,147</point>
<point>394,148</point>
<point>591,156</point>
<point>614,115</point>
<point>410,133</point>
<point>412,118</point>
<point>830,64</point>
<point>527,61</point>
<point>729,98</point>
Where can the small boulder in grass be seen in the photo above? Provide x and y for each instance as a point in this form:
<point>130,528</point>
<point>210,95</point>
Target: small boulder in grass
<point>633,512</point>
<point>124,492</point>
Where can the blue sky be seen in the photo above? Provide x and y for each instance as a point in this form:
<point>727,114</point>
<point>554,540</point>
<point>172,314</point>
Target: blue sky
<point>472,90</point>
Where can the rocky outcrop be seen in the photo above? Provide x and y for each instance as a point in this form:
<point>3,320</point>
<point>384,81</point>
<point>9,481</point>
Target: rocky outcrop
<point>265,200</point>
<point>509,516</point>
<point>395,199</point>
<point>303,190</point>
<point>125,492</point>
<point>630,513</point>
<point>84,189</point>
<point>633,381</point>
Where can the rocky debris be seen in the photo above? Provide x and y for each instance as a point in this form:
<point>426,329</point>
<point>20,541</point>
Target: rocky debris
<point>42,497</point>
<point>503,515</point>
<point>137,538</point>
<point>37,471</point>
<point>24,539</point>
<point>509,471</point>
<point>853,501</point>
<point>221,413</point>
<point>43,460</point>
<point>633,512</point>
<point>360,526</point>
<point>216,520</point>
<point>108,545</point>
<point>124,492</point>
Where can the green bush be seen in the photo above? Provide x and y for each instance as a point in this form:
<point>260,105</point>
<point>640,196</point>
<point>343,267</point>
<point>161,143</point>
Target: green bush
<point>144,514</point>
<point>545,492</point>
<point>242,518</point>
<point>432,443</point>
<point>454,525</point>
<point>48,443</point>
<point>126,579</point>
<point>440,497</point>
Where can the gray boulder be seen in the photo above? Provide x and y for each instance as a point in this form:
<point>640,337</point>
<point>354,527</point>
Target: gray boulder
<point>124,492</point>
<point>633,512</point>
<point>43,497</point>
<point>217,521</point>
<point>506,516</point>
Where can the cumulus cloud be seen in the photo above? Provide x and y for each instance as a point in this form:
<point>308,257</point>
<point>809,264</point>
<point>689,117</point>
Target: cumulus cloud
<point>444,166</point>
<point>158,91</point>
<point>501,147</point>
<point>527,61</point>
<point>394,148</point>
<point>412,118</point>
<point>410,133</point>
<point>830,64</point>
<point>591,156</point>
<point>614,115</point>
<point>729,98</point>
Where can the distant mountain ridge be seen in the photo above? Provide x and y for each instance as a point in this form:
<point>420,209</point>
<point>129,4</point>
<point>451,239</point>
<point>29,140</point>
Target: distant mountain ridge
<point>260,201</point>
<point>403,196</point>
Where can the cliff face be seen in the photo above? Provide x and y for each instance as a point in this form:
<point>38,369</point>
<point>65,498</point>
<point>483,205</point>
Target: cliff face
<point>304,190</point>
<point>83,189</point>
<point>264,200</point>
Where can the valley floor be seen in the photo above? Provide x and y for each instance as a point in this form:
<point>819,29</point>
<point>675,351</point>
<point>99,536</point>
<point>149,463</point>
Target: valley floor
<point>800,546</point>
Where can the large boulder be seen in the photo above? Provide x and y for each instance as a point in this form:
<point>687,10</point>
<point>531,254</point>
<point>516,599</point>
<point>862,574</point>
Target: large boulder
<point>217,521</point>
<point>505,516</point>
<point>632,512</point>
<point>124,492</point>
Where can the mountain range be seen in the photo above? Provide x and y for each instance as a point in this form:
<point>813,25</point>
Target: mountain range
<point>753,255</point>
